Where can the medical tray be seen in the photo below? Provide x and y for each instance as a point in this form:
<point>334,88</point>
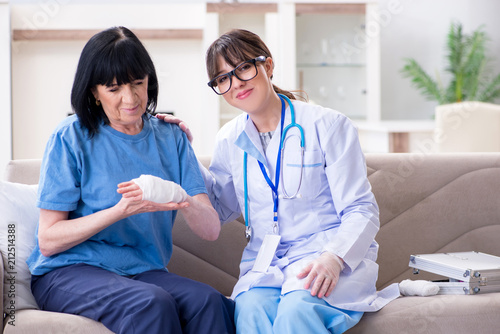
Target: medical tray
<point>466,272</point>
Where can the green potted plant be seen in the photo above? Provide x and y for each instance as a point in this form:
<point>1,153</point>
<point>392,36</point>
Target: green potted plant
<point>471,79</point>
<point>465,118</point>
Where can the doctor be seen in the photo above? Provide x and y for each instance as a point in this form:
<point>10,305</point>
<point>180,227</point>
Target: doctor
<point>309,266</point>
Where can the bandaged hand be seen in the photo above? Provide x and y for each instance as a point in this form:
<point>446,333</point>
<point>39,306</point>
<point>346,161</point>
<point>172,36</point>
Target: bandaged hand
<point>323,273</point>
<point>157,190</point>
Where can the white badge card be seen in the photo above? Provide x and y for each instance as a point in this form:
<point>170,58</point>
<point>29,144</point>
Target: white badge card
<point>266,252</point>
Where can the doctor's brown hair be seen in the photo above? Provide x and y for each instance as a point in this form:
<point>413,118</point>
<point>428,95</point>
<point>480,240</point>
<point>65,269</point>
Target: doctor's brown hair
<point>235,47</point>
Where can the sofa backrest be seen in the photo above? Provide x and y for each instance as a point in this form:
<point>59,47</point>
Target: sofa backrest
<point>428,203</point>
<point>433,203</point>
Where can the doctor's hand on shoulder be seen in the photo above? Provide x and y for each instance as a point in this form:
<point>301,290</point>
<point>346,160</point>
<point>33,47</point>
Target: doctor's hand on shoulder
<point>175,120</point>
<point>322,273</point>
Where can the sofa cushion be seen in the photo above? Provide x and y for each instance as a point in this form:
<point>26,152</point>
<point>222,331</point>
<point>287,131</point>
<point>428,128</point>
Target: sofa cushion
<point>441,314</point>
<point>37,321</point>
<point>18,221</point>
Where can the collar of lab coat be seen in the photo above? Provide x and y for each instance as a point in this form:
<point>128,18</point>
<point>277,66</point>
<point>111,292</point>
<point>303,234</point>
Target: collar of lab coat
<point>249,141</point>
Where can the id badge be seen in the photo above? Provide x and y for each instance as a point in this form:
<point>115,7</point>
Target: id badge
<point>266,252</point>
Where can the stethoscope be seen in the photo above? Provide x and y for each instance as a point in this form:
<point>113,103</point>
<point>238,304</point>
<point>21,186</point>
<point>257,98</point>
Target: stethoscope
<point>279,169</point>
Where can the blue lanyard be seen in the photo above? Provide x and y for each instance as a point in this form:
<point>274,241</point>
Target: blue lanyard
<point>274,187</point>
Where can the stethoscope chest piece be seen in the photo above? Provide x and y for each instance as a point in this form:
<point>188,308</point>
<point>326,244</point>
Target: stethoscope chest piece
<point>248,232</point>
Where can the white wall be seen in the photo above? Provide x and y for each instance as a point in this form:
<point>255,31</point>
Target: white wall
<point>43,71</point>
<point>419,31</point>
<point>5,88</point>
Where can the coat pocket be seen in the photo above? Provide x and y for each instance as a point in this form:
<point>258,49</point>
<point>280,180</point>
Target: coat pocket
<point>302,177</point>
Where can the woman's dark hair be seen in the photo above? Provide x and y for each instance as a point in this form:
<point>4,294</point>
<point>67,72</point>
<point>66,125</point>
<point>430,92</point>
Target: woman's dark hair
<point>112,54</point>
<point>235,47</point>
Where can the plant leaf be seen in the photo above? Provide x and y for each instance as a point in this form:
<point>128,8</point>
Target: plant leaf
<point>455,48</point>
<point>422,81</point>
<point>491,91</point>
<point>474,63</point>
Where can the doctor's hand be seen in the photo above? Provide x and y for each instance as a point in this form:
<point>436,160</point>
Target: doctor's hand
<point>172,119</point>
<point>324,272</point>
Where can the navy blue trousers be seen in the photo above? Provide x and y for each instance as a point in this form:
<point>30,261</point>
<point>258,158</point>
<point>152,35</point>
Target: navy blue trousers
<point>154,302</point>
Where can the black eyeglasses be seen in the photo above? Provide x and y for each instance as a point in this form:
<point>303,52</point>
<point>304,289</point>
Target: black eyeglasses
<point>244,72</point>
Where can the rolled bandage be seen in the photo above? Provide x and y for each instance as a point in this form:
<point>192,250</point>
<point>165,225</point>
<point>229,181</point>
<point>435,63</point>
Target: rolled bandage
<point>157,190</point>
<point>418,288</point>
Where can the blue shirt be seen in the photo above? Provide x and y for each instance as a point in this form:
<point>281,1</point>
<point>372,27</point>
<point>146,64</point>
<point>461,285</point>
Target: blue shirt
<point>80,175</point>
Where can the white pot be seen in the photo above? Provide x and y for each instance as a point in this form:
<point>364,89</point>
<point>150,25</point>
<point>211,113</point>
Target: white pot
<point>469,126</point>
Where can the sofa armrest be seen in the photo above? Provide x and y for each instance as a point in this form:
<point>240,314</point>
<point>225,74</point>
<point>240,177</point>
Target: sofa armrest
<point>1,285</point>
<point>25,171</point>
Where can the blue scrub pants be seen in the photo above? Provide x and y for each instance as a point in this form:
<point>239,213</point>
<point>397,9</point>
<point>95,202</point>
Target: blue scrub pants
<point>266,311</point>
<point>154,302</point>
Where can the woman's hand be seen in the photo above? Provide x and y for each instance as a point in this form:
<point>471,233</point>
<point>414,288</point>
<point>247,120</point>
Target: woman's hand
<point>56,235</point>
<point>172,119</point>
<point>325,272</point>
<point>132,203</point>
<point>199,214</point>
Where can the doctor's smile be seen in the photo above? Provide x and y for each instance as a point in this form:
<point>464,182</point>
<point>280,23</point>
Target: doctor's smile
<point>244,94</point>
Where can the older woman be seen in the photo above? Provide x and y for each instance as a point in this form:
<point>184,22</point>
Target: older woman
<point>102,246</point>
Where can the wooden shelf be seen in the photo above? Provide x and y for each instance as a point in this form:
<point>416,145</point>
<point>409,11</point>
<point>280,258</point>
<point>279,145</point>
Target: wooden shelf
<point>241,8</point>
<point>329,65</point>
<point>329,8</point>
<point>85,34</point>
<point>300,8</point>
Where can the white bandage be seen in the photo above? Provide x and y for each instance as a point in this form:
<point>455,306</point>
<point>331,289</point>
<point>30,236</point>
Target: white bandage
<point>418,288</point>
<point>157,190</point>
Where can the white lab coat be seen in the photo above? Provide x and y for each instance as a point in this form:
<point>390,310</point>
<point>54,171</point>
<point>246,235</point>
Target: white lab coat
<point>337,211</point>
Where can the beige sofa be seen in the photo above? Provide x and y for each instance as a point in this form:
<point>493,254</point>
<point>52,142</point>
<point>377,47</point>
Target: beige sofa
<point>428,203</point>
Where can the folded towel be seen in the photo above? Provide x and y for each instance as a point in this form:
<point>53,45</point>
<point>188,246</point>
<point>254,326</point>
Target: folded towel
<point>418,288</point>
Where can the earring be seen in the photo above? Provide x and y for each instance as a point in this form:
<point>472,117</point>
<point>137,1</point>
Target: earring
<point>97,102</point>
